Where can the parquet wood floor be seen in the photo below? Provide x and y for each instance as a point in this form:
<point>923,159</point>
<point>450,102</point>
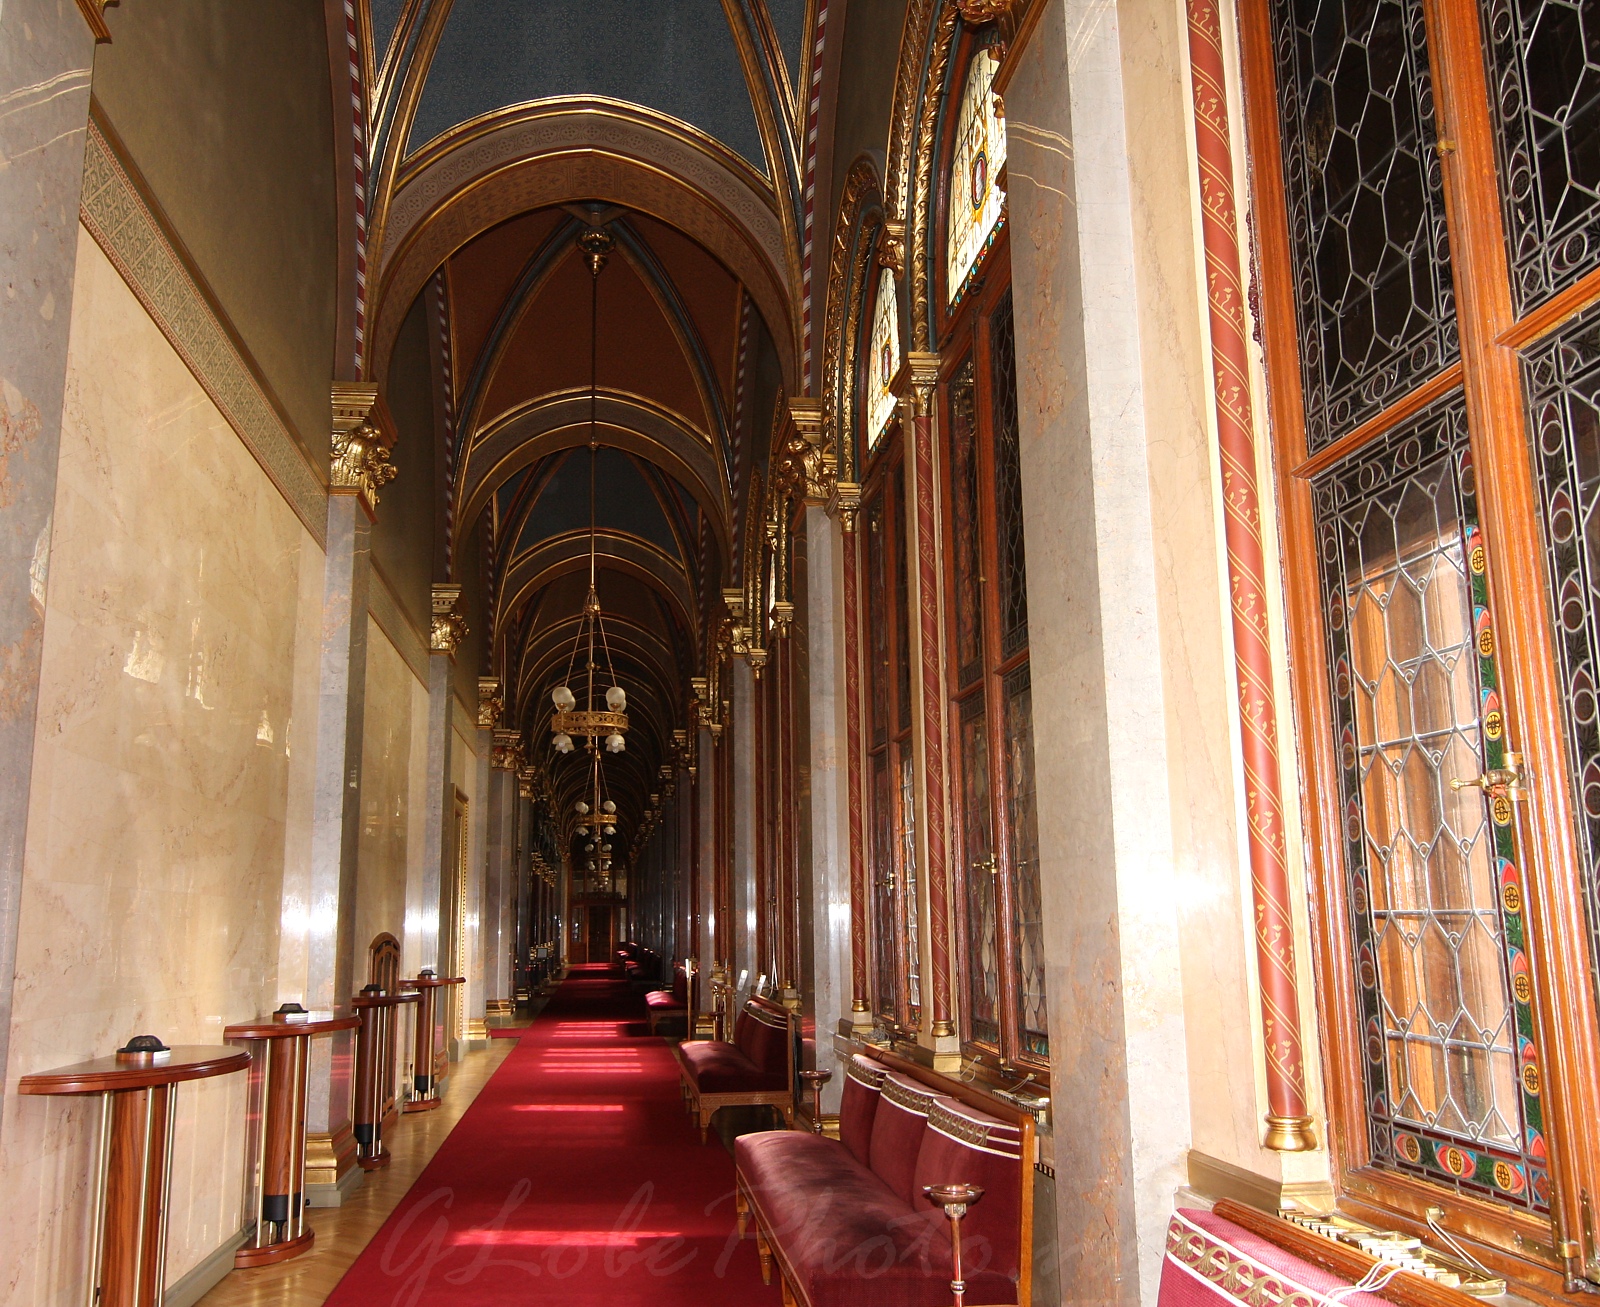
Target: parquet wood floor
<point>342,1232</point>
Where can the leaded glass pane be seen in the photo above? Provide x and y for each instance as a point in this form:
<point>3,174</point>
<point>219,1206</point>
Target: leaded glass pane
<point>1366,208</point>
<point>1544,79</point>
<point>885,972</point>
<point>1434,901</point>
<point>1022,819</point>
<point>902,606</point>
<point>1008,483</point>
<point>908,897</point>
<point>982,953</point>
<point>1562,376</point>
<point>975,202</point>
<point>877,622</point>
<point>968,543</point>
<point>883,360</point>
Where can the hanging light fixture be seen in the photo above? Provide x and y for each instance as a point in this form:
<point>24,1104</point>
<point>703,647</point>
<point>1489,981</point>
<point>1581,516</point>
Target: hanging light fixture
<point>593,722</point>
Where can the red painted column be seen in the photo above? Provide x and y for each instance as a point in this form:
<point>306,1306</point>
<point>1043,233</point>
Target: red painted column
<point>924,371</point>
<point>852,708</point>
<point>1288,1118</point>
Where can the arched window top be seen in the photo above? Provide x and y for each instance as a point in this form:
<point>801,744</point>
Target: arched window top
<point>976,204</point>
<point>884,360</point>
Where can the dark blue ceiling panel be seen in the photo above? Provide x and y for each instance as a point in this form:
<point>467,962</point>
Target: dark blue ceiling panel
<point>385,17</point>
<point>789,22</point>
<point>624,501</point>
<point>676,56</point>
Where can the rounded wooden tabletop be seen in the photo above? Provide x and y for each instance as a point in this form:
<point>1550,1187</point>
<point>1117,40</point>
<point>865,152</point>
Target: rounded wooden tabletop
<point>185,1062</point>
<point>309,1023</point>
<point>384,1000</point>
<point>433,982</point>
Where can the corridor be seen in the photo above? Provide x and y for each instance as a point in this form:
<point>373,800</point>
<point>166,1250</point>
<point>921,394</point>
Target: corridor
<point>574,1178</point>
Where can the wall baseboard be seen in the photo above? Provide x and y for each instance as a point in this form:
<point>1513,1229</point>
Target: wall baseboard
<point>333,1195</point>
<point>205,1277</point>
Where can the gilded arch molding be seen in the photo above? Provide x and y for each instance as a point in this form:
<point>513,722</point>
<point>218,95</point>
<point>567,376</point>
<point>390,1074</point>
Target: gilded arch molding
<point>855,235</point>
<point>581,149</point>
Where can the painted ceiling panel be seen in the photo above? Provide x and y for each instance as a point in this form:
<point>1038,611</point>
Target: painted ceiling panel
<point>385,17</point>
<point>482,275</point>
<point>789,22</point>
<point>675,56</point>
<point>638,352</point>
<point>708,291</point>
<point>623,502</point>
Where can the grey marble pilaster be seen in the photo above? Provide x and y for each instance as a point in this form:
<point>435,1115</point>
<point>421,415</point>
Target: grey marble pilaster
<point>829,872</point>
<point>1110,888</point>
<point>740,736</point>
<point>336,802</point>
<point>440,814</point>
<point>705,927</point>
<point>499,882</point>
<point>46,52</point>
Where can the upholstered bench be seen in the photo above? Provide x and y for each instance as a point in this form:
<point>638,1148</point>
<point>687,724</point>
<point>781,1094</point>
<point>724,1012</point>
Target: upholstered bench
<point>757,1068</point>
<point>846,1220</point>
<point>669,1004</point>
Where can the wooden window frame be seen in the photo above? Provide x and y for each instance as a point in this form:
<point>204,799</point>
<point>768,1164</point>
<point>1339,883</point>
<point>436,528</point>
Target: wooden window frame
<point>1539,1255</point>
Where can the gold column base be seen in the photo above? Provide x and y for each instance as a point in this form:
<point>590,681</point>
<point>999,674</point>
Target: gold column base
<point>944,1030</point>
<point>860,1017</point>
<point>329,1157</point>
<point>499,1007</point>
<point>477,1028</point>
<point>1289,1134</point>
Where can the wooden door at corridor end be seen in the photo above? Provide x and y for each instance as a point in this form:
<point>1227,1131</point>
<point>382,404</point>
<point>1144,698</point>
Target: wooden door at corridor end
<point>598,930</point>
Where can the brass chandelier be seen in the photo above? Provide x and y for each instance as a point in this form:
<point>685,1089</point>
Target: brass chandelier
<point>609,722</point>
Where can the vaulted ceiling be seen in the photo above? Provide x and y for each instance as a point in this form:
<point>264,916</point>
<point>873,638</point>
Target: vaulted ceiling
<point>499,131</point>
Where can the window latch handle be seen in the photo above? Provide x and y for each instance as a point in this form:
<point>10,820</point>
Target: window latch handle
<point>1498,782</point>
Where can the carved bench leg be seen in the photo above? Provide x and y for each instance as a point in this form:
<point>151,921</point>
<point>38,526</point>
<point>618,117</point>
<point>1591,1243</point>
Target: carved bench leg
<point>765,1251</point>
<point>741,1206</point>
<point>789,1299</point>
<point>705,1122</point>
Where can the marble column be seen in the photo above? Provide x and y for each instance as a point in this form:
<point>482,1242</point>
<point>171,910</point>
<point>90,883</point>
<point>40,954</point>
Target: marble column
<point>46,52</point>
<point>500,874</point>
<point>706,864</point>
<point>363,434</point>
<point>1110,886</point>
<point>438,853</point>
<point>829,891</point>
<point>740,740</point>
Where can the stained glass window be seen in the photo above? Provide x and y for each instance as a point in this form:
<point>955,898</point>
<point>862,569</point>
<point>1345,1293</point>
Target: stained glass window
<point>886,978</point>
<point>1012,564</point>
<point>1563,383</point>
<point>1434,895</point>
<point>902,603</point>
<point>1544,82</point>
<point>1023,814</point>
<point>884,360</point>
<point>982,908</point>
<point>908,892</point>
<point>877,625</point>
<point>975,202</point>
<point>1366,206</point>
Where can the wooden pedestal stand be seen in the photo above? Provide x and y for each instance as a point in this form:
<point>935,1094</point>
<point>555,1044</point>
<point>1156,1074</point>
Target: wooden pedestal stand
<point>375,1090</point>
<point>425,1078</point>
<point>132,1177</point>
<point>282,1044</point>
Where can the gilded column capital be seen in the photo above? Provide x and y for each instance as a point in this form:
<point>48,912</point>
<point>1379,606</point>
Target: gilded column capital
<point>449,626</point>
<point>846,503</point>
<point>923,367</point>
<point>491,703</point>
<point>363,435</point>
<point>892,247</point>
<point>507,754</point>
<point>808,468</point>
<point>984,11</point>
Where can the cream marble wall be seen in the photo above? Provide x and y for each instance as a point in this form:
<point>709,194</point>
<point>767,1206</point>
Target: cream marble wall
<point>165,746</point>
<point>386,776</point>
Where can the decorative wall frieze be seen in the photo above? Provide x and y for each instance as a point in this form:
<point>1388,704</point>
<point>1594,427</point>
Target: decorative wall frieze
<point>127,228</point>
<point>363,435</point>
<point>491,702</point>
<point>449,625</point>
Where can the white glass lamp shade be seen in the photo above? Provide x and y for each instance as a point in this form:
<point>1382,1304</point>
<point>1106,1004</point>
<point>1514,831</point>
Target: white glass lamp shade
<point>583,830</point>
<point>608,806</point>
<point>563,743</point>
<point>615,744</point>
<point>561,696</point>
<point>581,808</point>
<point>617,699</point>
<point>608,830</point>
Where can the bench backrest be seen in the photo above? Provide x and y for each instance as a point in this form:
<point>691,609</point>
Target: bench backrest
<point>765,1033</point>
<point>680,986</point>
<point>928,1128</point>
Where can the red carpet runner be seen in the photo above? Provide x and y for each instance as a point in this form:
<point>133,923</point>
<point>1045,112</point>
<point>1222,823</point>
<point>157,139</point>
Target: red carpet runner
<point>575,1178</point>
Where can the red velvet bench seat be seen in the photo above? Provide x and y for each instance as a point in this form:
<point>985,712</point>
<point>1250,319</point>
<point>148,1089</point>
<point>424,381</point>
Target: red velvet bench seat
<point>669,1004</point>
<point>757,1068</point>
<point>846,1220</point>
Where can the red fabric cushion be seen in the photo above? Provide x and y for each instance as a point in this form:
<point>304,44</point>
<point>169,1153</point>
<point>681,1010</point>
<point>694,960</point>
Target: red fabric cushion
<point>719,1068</point>
<point>964,1145</point>
<point>662,998</point>
<point>847,1236</point>
<point>1211,1261</point>
<point>858,1105</point>
<point>897,1129</point>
